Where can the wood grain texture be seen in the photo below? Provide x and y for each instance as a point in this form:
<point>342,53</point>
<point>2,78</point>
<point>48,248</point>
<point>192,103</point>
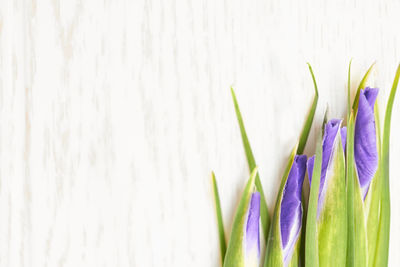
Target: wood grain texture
<point>114,113</point>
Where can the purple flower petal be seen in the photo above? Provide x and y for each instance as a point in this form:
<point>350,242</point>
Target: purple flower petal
<point>310,167</point>
<point>253,225</point>
<point>291,209</point>
<point>328,142</point>
<point>365,150</point>
<point>343,134</point>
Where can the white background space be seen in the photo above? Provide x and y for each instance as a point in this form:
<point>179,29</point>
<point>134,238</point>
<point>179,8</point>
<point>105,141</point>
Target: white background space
<point>114,113</point>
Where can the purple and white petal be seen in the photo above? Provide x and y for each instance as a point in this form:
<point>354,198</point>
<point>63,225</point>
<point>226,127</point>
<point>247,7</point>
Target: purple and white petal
<point>365,149</point>
<point>291,209</point>
<point>252,237</point>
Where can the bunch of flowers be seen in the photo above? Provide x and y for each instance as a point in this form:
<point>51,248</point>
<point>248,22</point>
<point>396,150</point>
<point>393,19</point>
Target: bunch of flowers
<point>345,218</point>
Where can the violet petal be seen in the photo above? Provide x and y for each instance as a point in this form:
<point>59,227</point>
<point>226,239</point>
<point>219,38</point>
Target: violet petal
<point>310,167</point>
<point>343,134</point>
<point>253,225</point>
<point>291,209</point>
<point>331,130</point>
<point>365,149</point>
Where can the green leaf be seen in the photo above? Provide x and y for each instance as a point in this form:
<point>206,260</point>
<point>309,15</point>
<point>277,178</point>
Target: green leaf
<point>382,253</point>
<point>362,86</point>
<point>350,191</point>
<point>235,252</point>
<point>273,256</point>
<point>221,232</point>
<point>311,244</point>
<point>300,149</point>
<point>372,203</point>
<point>360,241</point>
<point>310,116</point>
<point>348,92</point>
<point>265,217</point>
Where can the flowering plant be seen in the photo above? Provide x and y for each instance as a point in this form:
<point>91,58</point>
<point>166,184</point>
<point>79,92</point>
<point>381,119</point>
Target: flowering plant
<point>345,218</point>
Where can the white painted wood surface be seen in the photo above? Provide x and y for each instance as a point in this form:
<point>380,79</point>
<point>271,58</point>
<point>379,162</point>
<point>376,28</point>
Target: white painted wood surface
<point>113,114</point>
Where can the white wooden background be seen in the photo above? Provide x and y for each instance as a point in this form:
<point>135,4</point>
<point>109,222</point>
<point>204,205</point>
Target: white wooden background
<point>113,114</point>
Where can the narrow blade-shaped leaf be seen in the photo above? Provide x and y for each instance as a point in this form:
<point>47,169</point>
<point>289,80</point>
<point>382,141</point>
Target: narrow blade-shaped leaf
<point>310,117</point>
<point>300,149</point>
<point>382,253</point>
<point>311,244</point>
<point>372,204</point>
<point>221,231</point>
<point>348,92</point>
<point>265,217</point>
<point>350,191</point>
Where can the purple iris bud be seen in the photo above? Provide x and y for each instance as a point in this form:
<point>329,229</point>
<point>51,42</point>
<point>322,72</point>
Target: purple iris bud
<point>328,143</point>
<point>253,229</point>
<point>365,149</point>
<point>291,209</point>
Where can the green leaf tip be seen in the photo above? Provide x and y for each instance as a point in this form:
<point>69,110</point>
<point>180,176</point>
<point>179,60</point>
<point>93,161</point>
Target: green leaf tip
<point>325,120</point>
<point>348,91</point>
<point>310,117</point>
<point>362,85</point>
<point>313,78</point>
<point>265,217</point>
<point>220,223</point>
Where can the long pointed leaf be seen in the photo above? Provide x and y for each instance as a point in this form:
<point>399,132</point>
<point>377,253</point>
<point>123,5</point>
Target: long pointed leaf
<point>302,142</point>
<point>221,232</point>
<point>265,217</point>
<point>384,226</point>
<point>311,248</point>
<point>310,117</point>
<point>373,200</point>
<point>348,92</point>
<point>350,191</point>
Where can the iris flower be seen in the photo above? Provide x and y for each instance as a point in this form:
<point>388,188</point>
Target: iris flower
<point>365,149</point>
<point>331,209</point>
<point>283,246</point>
